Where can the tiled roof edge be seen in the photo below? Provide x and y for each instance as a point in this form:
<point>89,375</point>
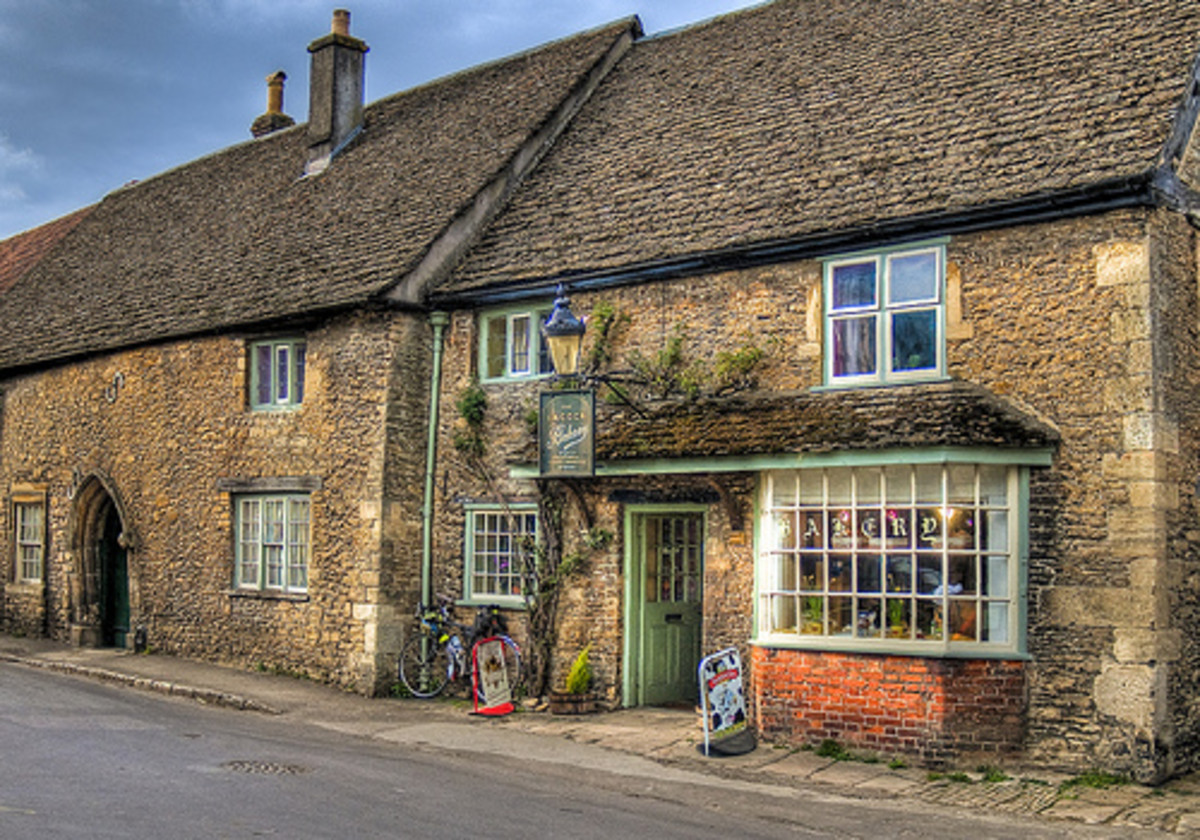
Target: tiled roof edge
<point>1134,191</point>
<point>467,226</point>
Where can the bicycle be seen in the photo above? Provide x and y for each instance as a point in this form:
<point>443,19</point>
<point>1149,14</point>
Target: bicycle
<point>435,654</point>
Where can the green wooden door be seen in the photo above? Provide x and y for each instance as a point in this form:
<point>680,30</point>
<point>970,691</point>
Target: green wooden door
<point>672,570</point>
<point>114,584</point>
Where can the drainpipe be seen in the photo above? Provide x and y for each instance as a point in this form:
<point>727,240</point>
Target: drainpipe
<point>438,320</point>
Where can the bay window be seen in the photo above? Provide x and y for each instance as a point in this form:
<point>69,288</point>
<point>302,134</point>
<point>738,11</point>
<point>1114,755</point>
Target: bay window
<point>919,557</point>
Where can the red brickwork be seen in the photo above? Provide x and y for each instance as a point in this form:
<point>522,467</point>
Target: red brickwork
<point>939,709</point>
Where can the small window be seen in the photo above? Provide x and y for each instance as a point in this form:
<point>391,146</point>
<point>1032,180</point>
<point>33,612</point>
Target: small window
<point>277,374</point>
<point>499,544</point>
<point>30,521</point>
<point>884,318</point>
<point>512,345</point>
<point>272,542</point>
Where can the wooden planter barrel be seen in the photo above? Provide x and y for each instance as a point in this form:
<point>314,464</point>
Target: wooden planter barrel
<point>562,703</point>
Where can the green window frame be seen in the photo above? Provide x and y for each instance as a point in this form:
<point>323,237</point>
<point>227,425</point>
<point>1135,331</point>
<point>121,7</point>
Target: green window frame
<point>499,542</point>
<point>273,539</point>
<point>511,345</point>
<point>29,518</point>
<point>921,558</point>
<point>277,373</point>
<point>885,317</point>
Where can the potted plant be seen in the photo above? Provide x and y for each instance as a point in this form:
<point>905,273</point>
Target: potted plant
<point>576,698</point>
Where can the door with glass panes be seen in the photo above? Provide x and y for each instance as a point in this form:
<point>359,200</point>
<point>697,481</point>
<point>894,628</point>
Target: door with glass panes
<point>670,557</point>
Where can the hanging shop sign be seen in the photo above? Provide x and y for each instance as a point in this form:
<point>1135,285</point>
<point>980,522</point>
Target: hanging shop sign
<point>567,434</point>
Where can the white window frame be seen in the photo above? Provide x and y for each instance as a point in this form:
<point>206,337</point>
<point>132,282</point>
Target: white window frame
<point>283,392</point>
<point>273,542</point>
<point>779,555</point>
<point>883,310</point>
<point>525,320</point>
<point>29,540</point>
<point>484,519</point>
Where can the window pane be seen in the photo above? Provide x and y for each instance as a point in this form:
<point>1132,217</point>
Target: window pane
<point>299,354</point>
<point>854,346</point>
<point>913,277</point>
<point>813,619</point>
<point>867,486</point>
<point>995,624</point>
<point>282,360</point>
<point>496,346</point>
<point>853,285</point>
<point>869,625</point>
<point>995,576</point>
<point>783,614</point>
<point>262,371</point>
<point>783,489</point>
<point>993,485</point>
<point>899,484</point>
<point>914,340</point>
<point>520,344</point>
<point>899,573</point>
<point>962,621</point>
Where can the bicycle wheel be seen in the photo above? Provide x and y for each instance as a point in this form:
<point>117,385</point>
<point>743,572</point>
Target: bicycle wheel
<point>424,666</point>
<point>498,664</point>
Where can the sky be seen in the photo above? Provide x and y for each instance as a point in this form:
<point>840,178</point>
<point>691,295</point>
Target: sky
<point>97,93</point>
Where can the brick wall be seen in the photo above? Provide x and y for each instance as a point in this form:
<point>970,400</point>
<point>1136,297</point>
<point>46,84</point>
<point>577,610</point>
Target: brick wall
<point>943,710</point>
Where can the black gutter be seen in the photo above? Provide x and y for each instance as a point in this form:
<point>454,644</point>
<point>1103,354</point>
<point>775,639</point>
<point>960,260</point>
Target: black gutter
<point>1133,191</point>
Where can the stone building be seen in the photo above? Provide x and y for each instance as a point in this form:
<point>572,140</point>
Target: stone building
<point>893,331</point>
<point>213,414</point>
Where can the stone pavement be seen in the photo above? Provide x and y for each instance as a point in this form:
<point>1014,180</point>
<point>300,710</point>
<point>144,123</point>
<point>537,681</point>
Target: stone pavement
<point>651,742</point>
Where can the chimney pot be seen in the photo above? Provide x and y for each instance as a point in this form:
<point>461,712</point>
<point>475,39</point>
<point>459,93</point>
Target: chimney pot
<point>274,119</point>
<point>275,92</point>
<point>341,22</point>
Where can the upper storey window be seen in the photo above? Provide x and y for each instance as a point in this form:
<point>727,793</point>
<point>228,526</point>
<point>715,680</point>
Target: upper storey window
<point>885,317</point>
<point>512,346</point>
<point>277,374</point>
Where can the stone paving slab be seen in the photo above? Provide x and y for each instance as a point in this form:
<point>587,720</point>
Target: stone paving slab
<point>892,784</point>
<point>1079,810</point>
<point>799,765</point>
<point>848,773</point>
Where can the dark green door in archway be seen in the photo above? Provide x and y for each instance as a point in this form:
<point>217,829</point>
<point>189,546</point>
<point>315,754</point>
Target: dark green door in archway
<point>114,584</point>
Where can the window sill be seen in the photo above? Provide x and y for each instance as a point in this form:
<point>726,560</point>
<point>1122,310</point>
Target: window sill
<point>929,650</point>
<point>513,380</point>
<point>874,383</point>
<point>273,410</point>
<point>483,601</point>
<point>268,595</point>
<point>25,587</point>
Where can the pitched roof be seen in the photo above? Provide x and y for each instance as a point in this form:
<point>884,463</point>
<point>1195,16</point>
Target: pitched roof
<point>800,117</point>
<point>944,414</point>
<point>20,253</point>
<point>238,238</point>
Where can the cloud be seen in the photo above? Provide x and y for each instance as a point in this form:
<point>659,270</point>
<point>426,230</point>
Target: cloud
<point>15,162</point>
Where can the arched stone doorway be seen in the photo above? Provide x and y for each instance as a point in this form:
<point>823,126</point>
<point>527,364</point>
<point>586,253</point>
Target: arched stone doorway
<point>100,580</point>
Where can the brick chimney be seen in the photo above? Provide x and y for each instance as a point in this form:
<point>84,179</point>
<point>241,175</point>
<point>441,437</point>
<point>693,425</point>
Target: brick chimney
<point>335,101</point>
<point>274,119</point>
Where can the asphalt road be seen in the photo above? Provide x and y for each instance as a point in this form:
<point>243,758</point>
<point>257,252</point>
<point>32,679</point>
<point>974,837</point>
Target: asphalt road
<point>80,759</point>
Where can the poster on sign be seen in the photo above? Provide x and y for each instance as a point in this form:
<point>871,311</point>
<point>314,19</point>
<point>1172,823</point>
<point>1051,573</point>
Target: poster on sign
<point>723,705</point>
<point>493,694</point>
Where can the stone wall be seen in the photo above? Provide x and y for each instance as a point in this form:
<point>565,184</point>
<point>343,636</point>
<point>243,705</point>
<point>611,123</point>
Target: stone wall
<point>173,429</point>
<point>1070,321</point>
